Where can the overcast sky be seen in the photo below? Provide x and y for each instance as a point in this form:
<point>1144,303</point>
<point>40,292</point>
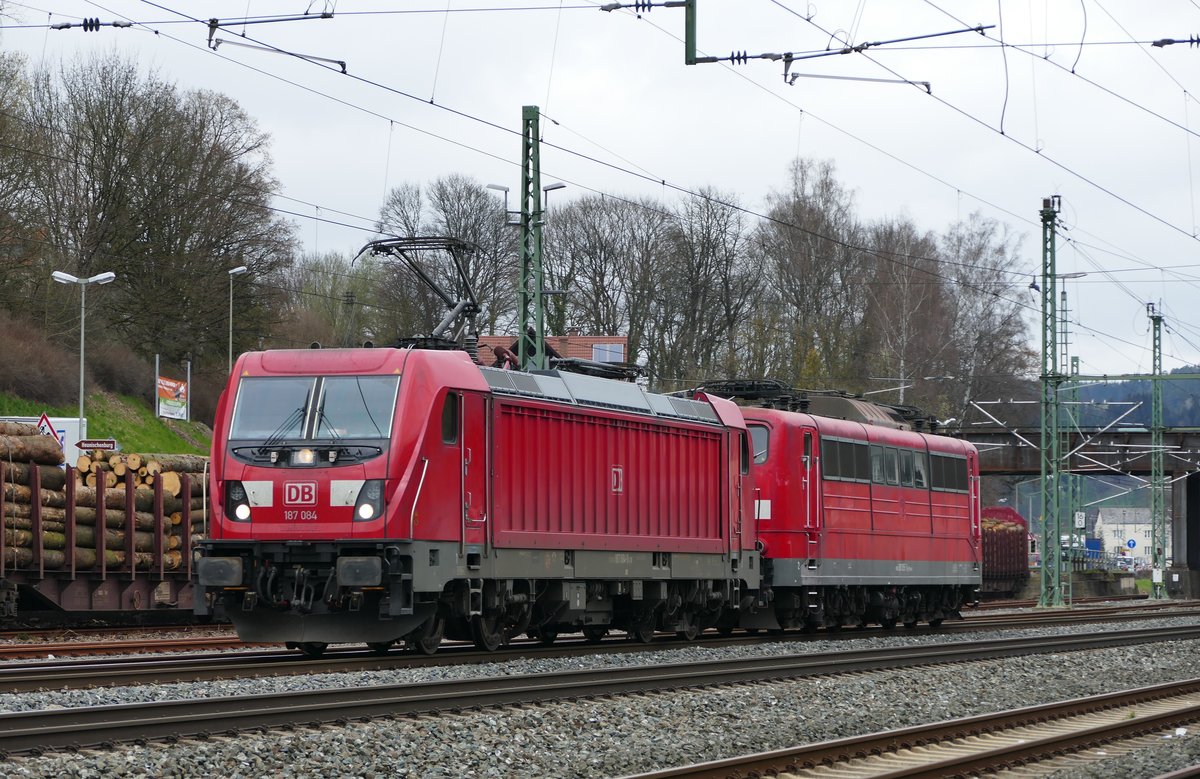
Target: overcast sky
<point>1079,104</point>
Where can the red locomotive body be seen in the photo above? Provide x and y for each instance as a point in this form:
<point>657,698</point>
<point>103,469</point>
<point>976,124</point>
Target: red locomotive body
<point>862,522</point>
<point>382,494</point>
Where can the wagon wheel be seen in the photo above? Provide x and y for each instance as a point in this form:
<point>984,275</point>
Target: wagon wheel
<point>689,629</point>
<point>725,630</point>
<point>380,647</point>
<point>313,648</point>
<point>887,624</point>
<point>487,631</point>
<point>910,624</point>
<point>427,638</point>
<point>933,623</point>
<point>546,636</point>
<point>642,632</point>
<point>595,633</point>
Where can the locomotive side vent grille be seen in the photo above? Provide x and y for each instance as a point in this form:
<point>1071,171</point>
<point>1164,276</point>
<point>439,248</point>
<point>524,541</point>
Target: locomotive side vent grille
<point>602,392</point>
<point>693,409</point>
<point>578,389</point>
<point>526,384</point>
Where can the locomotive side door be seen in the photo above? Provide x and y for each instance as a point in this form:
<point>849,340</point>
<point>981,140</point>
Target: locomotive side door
<point>810,483</point>
<point>474,498</point>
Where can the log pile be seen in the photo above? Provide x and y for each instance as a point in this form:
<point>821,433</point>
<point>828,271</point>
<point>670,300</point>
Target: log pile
<point>111,467</point>
<point>100,515</point>
<point>24,443</point>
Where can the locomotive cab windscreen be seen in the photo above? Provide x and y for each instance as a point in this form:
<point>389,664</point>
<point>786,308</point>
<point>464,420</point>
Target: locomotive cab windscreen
<point>281,416</point>
<point>322,426</point>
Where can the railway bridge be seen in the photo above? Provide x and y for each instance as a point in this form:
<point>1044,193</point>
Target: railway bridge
<point>1126,451</point>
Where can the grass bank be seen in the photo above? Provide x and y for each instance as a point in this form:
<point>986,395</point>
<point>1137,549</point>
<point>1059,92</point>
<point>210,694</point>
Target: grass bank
<point>127,419</point>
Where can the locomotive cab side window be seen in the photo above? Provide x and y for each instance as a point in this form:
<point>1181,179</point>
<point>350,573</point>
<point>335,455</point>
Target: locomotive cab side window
<point>920,471</point>
<point>906,468</point>
<point>744,448</point>
<point>760,437</point>
<point>450,418</point>
<point>885,465</point>
<point>948,474</point>
<point>845,460</point>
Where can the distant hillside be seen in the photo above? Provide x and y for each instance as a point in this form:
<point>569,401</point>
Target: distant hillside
<point>1181,401</point>
<point>129,420</point>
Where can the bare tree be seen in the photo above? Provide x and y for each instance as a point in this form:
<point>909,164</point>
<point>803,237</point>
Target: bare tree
<point>606,253</point>
<point>167,189</point>
<point>905,306</point>
<point>990,336</point>
<point>812,249</point>
<point>454,206</point>
<point>705,288</point>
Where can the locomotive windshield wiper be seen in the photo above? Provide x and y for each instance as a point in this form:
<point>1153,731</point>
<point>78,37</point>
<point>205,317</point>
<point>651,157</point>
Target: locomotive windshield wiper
<point>279,434</point>
<point>324,423</point>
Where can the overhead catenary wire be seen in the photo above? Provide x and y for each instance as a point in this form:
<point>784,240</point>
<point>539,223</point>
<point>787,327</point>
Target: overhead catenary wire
<point>684,190</point>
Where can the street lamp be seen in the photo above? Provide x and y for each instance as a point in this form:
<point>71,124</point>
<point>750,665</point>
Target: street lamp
<point>67,278</point>
<point>239,270</point>
<point>511,218</point>
<point>546,190</point>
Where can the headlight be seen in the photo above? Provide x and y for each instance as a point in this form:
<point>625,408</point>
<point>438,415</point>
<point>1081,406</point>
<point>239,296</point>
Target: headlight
<point>303,457</point>
<point>369,504</point>
<point>237,502</point>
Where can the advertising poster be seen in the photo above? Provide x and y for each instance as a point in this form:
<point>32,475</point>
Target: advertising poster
<point>172,398</point>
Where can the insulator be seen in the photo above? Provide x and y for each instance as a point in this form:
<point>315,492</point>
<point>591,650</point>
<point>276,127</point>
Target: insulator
<point>91,24</point>
<point>738,57</point>
<point>642,5</point>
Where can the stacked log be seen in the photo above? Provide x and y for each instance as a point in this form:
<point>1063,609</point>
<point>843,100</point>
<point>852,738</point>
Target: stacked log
<point>35,448</point>
<point>111,467</point>
<point>100,513</point>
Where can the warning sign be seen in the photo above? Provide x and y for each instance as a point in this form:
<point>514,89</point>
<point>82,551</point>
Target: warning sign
<point>45,427</point>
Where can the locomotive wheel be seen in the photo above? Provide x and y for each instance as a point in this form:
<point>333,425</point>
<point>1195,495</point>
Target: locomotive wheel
<point>595,633</point>
<point>486,632</point>
<point>313,648</point>
<point>643,632</point>
<point>429,637</point>
<point>688,629</point>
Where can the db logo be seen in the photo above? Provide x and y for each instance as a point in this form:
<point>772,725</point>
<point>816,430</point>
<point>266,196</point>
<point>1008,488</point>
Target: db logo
<point>300,493</point>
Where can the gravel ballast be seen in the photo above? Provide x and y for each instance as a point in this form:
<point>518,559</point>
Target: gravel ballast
<point>632,734</point>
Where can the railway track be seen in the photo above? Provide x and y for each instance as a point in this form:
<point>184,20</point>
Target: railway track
<point>34,732</point>
<point>1005,603</point>
<point>1051,736</point>
<point>141,652</point>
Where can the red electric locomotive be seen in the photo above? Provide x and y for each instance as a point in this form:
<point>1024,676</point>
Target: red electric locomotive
<point>376,495</point>
<point>861,519</point>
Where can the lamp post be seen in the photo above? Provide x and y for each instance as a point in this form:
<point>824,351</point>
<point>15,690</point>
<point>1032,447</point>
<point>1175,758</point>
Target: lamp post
<point>239,270</point>
<point>67,278</point>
